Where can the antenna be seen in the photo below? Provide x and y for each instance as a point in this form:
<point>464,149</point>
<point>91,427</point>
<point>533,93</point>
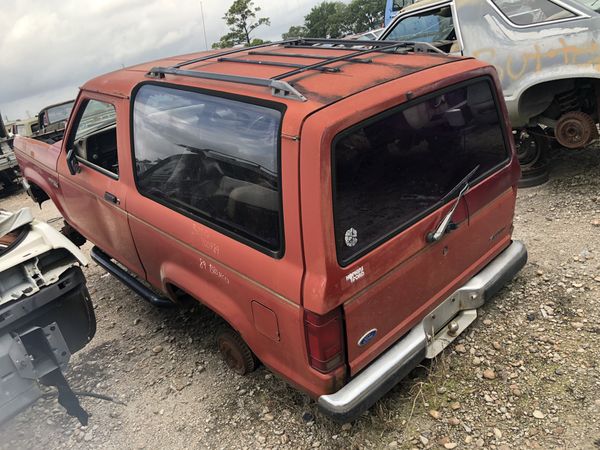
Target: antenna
<point>203,26</point>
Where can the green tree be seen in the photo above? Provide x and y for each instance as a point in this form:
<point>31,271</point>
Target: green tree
<point>295,31</point>
<point>365,15</point>
<point>327,20</point>
<point>242,21</point>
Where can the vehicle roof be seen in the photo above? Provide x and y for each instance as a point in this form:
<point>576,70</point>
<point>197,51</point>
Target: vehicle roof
<point>318,87</point>
<point>26,121</point>
<point>57,104</point>
<point>422,4</point>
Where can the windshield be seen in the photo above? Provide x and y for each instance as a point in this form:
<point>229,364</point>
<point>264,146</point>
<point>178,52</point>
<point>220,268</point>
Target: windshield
<point>96,116</point>
<point>429,26</point>
<point>592,4</point>
<point>59,113</point>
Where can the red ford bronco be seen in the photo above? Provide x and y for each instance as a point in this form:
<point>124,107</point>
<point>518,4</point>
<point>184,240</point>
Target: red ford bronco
<point>344,209</point>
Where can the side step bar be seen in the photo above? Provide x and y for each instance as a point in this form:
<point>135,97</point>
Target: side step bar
<point>104,261</point>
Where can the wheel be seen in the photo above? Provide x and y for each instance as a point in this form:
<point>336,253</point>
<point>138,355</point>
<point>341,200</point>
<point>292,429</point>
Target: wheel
<point>534,176</point>
<point>236,354</point>
<point>575,130</point>
<point>532,147</point>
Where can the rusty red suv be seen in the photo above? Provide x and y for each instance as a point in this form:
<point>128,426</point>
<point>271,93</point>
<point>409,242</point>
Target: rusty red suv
<point>344,209</point>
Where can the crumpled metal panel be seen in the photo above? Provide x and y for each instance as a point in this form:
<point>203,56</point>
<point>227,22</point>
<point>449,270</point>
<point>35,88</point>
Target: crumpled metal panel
<point>16,392</point>
<point>10,221</point>
<point>35,261</point>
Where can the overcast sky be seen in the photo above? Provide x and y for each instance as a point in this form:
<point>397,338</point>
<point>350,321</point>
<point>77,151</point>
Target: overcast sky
<point>51,47</point>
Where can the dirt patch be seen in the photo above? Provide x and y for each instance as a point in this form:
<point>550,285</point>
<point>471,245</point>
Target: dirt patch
<point>525,375</point>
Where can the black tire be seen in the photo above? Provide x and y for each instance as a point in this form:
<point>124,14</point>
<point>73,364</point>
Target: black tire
<point>235,352</point>
<point>532,147</point>
<point>534,176</point>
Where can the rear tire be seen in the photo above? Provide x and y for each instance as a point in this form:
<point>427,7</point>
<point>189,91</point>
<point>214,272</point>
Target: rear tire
<point>235,352</point>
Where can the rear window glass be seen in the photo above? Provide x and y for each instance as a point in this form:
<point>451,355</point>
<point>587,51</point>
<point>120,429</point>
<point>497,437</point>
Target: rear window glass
<point>213,158</point>
<point>394,169</point>
<point>532,11</point>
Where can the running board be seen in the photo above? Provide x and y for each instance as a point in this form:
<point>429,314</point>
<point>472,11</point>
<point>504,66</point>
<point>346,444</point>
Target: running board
<point>104,261</point>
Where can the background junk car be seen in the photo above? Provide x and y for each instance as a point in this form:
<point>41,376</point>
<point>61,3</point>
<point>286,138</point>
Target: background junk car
<point>546,53</point>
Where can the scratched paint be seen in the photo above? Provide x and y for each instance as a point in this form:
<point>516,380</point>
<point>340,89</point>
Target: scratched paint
<point>214,271</point>
<point>204,239</point>
<point>516,65</point>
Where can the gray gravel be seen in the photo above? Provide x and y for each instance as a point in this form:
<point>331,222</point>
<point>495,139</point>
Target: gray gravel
<point>525,375</point>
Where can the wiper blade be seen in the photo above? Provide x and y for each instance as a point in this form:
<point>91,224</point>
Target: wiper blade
<point>462,187</point>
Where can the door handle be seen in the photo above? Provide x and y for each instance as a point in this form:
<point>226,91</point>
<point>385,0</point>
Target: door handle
<point>111,198</point>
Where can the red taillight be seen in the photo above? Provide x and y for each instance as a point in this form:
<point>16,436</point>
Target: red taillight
<point>325,340</point>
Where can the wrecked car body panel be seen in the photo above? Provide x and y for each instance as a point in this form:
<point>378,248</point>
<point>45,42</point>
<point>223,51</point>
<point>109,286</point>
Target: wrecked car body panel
<point>46,313</point>
<point>33,265</point>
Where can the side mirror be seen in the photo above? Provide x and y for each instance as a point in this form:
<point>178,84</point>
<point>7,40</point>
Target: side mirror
<point>72,162</point>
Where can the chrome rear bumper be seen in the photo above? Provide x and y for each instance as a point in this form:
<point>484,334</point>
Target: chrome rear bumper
<point>426,339</point>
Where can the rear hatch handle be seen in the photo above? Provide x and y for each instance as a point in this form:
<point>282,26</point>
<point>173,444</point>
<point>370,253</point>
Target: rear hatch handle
<point>446,224</point>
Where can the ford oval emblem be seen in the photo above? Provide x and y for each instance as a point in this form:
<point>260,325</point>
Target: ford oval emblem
<point>367,337</point>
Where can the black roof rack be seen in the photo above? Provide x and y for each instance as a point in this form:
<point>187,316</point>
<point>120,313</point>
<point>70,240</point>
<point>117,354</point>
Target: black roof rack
<point>308,56</point>
<point>279,87</point>
<point>275,63</point>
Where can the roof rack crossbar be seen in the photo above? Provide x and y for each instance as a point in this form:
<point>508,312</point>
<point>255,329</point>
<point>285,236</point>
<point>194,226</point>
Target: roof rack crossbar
<point>276,63</point>
<point>312,47</point>
<point>279,88</point>
<point>389,46</point>
<point>308,56</point>
<point>231,52</point>
<point>345,42</point>
<point>350,45</point>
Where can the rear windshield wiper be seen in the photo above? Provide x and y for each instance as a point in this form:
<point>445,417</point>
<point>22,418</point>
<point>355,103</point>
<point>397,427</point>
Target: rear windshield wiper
<point>462,187</point>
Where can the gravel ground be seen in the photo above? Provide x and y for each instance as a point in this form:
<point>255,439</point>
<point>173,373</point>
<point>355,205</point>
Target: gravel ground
<point>525,375</point>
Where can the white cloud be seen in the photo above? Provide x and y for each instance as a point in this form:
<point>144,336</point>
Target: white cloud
<point>51,47</point>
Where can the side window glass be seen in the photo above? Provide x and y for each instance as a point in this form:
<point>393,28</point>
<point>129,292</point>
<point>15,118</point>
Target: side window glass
<point>429,26</point>
<point>95,140</point>
<point>532,11</point>
<point>398,5</point>
<point>212,158</point>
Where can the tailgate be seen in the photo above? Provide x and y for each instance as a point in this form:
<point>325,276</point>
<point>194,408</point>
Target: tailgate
<point>425,277</point>
<point>396,177</point>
